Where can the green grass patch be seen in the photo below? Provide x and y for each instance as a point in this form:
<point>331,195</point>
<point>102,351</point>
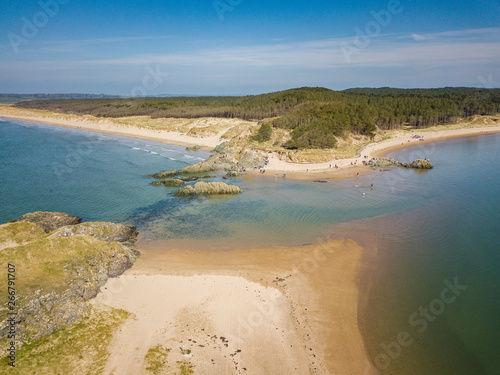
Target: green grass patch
<point>156,359</point>
<point>46,262</point>
<point>186,368</point>
<point>264,133</point>
<point>81,348</point>
<point>21,232</point>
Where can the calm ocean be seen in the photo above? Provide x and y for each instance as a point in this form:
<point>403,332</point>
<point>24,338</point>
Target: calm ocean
<point>421,229</point>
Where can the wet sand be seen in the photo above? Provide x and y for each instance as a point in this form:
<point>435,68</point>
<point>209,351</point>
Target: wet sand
<point>269,311</point>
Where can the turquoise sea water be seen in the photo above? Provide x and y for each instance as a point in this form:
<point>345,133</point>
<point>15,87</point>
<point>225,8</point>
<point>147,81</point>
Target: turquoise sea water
<point>420,229</point>
<point>102,177</point>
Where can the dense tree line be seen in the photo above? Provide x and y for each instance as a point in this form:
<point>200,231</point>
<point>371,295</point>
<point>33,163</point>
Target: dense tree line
<point>315,116</point>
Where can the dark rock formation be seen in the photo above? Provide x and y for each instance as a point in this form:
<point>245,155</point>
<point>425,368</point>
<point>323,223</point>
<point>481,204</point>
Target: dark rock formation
<point>49,221</point>
<point>421,164</point>
<point>231,174</point>
<point>169,182</point>
<point>108,232</point>
<point>389,162</point>
<point>210,165</point>
<point>193,178</point>
<point>162,175</point>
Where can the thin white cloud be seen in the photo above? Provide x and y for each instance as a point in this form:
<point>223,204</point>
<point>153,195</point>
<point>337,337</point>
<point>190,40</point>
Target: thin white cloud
<point>420,38</point>
<point>452,48</point>
<point>108,40</point>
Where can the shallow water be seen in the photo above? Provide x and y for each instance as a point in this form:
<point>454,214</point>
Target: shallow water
<point>102,177</point>
<point>413,255</point>
<point>419,228</point>
<point>92,175</point>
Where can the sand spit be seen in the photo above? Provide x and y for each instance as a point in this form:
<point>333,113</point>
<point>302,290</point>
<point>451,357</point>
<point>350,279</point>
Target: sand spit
<point>277,311</point>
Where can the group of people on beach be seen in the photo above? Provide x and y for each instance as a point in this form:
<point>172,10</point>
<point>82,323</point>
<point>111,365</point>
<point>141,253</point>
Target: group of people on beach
<point>261,167</point>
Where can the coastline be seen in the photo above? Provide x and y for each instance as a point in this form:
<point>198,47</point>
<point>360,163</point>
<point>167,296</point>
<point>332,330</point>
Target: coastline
<point>400,141</point>
<point>347,168</point>
<point>107,127</point>
<point>314,320</point>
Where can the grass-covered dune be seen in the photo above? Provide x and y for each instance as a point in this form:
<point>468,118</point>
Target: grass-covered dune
<point>314,117</point>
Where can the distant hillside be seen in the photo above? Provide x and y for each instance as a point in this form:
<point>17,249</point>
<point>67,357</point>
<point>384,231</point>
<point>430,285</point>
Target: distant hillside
<point>313,116</point>
<point>17,98</point>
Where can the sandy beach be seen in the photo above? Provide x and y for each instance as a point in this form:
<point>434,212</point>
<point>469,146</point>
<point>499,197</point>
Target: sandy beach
<point>266,311</point>
<point>107,126</point>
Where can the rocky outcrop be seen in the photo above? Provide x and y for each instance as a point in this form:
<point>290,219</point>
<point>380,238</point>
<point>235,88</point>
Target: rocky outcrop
<point>383,163</point>
<point>421,164</point>
<point>108,232</point>
<point>165,174</point>
<point>169,182</point>
<point>210,188</point>
<point>49,221</point>
<point>389,162</point>
<point>192,178</point>
<point>178,181</point>
<point>66,268</point>
<point>231,174</point>
<point>209,165</point>
<point>227,158</point>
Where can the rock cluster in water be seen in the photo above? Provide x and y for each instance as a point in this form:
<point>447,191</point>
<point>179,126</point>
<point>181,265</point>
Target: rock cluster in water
<point>169,182</point>
<point>421,164</point>
<point>227,157</point>
<point>208,188</point>
<point>201,167</point>
<point>389,162</point>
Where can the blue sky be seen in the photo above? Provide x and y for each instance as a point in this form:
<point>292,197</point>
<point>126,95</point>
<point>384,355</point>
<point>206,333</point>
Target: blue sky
<point>237,47</point>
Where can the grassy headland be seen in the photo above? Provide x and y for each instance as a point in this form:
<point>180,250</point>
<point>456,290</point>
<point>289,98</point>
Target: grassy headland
<point>52,265</point>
